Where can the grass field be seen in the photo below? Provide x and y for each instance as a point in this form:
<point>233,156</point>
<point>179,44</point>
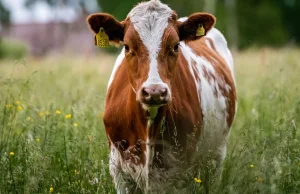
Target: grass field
<point>52,137</point>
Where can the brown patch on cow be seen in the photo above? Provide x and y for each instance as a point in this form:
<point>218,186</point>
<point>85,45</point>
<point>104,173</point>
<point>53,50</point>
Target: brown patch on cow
<point>137,59</point>
<point>129,128</point>
<point>195,70</point>
<point>223,74</point>
<point>167,58</point>
<point>211,43</point>
<point>128,131</point>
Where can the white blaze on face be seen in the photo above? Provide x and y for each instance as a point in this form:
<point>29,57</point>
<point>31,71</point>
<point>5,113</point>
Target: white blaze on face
<point>150,20</point>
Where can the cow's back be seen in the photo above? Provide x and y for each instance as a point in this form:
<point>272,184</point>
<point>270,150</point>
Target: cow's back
<point>210,62</point>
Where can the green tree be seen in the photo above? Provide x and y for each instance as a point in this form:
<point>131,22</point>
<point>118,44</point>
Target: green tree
<point>244,22</point>
<point>260,23</point>
<point>291,15</point>
<point>118,8</point>
<point>4,15</point>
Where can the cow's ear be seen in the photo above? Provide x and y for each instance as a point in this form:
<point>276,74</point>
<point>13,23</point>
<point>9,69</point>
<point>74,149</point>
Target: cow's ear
<point>196,26</point>
<point>113,28</point>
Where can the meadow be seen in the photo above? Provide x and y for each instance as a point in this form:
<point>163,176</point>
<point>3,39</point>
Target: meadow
<point>52,138</point>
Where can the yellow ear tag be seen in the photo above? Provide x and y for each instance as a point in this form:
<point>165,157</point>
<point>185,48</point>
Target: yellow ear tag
<point>200,30</point>
<point>102,39</point>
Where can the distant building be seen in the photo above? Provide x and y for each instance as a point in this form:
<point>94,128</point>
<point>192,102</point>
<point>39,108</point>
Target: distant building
<point>45,29</point>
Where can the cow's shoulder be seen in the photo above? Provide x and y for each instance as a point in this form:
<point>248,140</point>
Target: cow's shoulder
<point>215,40</point>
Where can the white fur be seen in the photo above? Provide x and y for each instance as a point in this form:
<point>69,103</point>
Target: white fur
<point>116,66</point>
<point>149,158</point>
<point>220,44</point>
<point>182,19</point>
<point>125,172</point>
<point>150,20</point>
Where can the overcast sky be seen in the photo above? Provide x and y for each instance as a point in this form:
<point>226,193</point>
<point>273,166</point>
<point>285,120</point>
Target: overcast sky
<point>41,12</point>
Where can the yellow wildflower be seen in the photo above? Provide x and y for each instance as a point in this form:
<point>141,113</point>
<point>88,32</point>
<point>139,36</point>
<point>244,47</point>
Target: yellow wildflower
<point>8,105</point>
<point>75,124</point>
<point>197,180</point>
<point>18,102</point>
<point>38,140</point>
<point>51,190</point>
<point>28,118</point>
<point>102,114</point>
<point>251,165</point>
<point>20,108</point>
<point>76,172</point>
<point>68,116</point>
<point>42,114</point>
<point>58,112</point>
<point>11,153</point>
<point>259,179</point>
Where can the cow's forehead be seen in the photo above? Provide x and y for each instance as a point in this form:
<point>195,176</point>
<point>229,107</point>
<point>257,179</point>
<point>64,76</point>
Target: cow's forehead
<point>145,9</point>
<point>150,20</point>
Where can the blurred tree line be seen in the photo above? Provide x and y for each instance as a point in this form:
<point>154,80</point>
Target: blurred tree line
<point>4,15</point>
<point>244,22</point>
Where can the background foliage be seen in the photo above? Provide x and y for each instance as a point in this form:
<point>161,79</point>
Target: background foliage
<point>259,22</point>
<point>245,23</point>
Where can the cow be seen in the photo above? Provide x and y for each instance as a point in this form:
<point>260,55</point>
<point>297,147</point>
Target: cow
<point>171,98</point>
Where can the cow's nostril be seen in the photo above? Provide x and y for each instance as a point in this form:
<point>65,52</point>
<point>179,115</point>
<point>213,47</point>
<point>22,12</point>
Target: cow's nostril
<point>145,93</point>
<point>163,93</point>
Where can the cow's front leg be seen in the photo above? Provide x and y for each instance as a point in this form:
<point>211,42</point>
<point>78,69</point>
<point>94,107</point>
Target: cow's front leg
<point>220,158</point>
<point>121,181</point>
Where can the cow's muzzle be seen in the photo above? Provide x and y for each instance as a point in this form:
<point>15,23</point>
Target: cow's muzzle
<point>154,95</point>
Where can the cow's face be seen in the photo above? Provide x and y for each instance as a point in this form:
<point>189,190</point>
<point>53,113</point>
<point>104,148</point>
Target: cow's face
<point>151,35</point>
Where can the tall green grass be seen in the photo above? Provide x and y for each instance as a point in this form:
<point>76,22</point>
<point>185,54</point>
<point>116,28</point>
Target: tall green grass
<point>68,152</point>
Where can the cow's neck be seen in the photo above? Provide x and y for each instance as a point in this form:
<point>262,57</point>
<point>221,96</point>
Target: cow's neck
<point>154,117</point>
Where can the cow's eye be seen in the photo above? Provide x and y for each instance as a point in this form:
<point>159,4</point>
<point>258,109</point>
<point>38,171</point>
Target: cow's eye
<point>176,48</point>
<point>127,49</point>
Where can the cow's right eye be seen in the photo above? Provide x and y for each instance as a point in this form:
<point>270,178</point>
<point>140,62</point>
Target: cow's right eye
<point>176,48</point>
<point>126,48</point>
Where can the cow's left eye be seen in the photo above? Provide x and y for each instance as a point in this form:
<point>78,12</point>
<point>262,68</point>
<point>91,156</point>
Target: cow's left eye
<point>175,49</point>
<point>126,48</point>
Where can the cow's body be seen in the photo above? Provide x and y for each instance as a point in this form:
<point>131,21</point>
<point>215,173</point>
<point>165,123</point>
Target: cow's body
<point>148,147</point>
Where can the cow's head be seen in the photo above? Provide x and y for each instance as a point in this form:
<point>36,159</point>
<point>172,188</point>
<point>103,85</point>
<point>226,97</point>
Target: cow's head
<point>151,35</point>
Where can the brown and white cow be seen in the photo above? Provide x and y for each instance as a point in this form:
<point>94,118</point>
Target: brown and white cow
<point>171,98</point>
